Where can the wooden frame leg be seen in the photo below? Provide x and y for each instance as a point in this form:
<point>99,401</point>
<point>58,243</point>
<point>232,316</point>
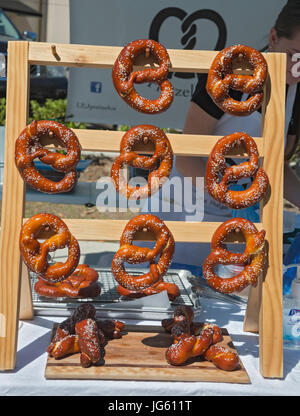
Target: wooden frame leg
<point>12,203</point>
<point>270,317</point>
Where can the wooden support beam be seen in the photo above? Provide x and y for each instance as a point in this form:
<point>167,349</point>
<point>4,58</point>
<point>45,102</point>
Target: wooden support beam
<point>12,203</point>
<point>111,230</point>
<point>270,320</point>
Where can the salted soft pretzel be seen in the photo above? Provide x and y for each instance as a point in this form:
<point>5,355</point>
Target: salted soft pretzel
<point>28,147</point>
<point>83,283</point>
<point>221,357</point>
<point>221,79</point>
<point>253,257</point>
<point>190,346</point>
<point>35,254</point>
<point>163,155</point>
<point>124,77</point>
<point>91,347</point>
<point>193,339</point>
<point>74,334</point>
<point>69,344</point>
<point>164,248</point>
<point>216,166</point>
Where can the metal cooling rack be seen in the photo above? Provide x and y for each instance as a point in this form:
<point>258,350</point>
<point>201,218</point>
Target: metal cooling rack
<point>110,304</point>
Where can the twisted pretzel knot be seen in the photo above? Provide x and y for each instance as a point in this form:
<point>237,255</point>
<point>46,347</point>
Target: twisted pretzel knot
<point>35,254</point>
<point>83,283</point>
<point>124,78</point>
<point>188,347</point>
<point>216,165</point>
<point>253,258</point>
<point>28,148</point>
<point>163,153</point>
<point>164,248</point>
<point>193,339</point>
<point>221,79</point>
<point>81,332</point>
<point>86,339</point>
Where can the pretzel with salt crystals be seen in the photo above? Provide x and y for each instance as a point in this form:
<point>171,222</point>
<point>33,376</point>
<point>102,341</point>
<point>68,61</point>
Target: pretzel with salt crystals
<point>124,77</point>
<point>253,258</point>
<point>28,147</point>
<point>221,79</point>
<point>163,154</point>
<point>137,286</point>
<point>35,254</point>
<point>216,166</point>
<point>83,283</point>
<point>90,345</point>
<point>67,340</point>
<point>189,346</point>
<point>193,339</point>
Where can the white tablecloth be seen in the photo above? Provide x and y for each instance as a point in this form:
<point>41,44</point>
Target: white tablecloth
<point>28,376</point>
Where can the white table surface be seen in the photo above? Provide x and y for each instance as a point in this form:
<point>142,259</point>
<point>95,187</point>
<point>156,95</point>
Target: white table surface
<point>28,376</point>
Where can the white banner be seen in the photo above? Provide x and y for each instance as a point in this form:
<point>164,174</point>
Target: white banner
<point>190,24</point>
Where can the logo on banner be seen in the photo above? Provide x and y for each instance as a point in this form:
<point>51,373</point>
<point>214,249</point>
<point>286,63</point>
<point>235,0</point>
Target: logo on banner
<point>96,87</point>
<point>189,29</point>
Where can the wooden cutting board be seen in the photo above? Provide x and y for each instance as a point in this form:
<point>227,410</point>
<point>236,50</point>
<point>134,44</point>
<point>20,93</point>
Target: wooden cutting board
<point>140,355</point>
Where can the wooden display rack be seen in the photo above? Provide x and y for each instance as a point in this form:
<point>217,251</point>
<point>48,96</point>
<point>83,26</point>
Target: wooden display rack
<point>264,310</point>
